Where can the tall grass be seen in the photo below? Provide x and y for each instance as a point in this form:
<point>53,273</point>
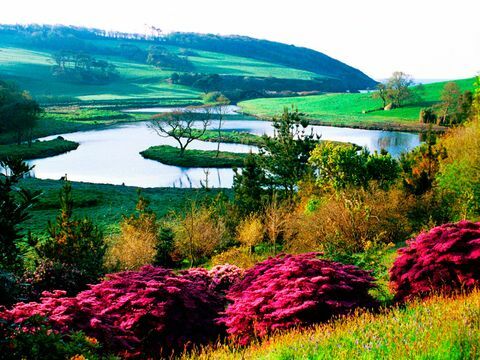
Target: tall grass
<point>439,328</point>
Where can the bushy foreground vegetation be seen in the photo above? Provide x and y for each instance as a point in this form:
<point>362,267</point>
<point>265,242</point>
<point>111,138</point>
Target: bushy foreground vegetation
<point>296,196</point>
<point>290,291</point>
<point>437,328</point>
<point>447,259</point>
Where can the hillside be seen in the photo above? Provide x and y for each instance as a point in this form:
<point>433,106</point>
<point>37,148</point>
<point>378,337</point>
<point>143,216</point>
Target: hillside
<point>142,67</point>
<point>347,109</point>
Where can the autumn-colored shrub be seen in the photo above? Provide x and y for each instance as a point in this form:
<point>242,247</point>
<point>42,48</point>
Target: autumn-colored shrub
<point>293,290</point>
<point>445,259</point>
<point>135,246</point>
<point>240,256</point>
<point>198,233</point>
<point>250,231</point>
<point>150,312</point>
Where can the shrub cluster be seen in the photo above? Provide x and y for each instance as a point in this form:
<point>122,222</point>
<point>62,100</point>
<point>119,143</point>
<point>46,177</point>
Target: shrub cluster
<point>152,312</point>
<point>219,279</point>
<point>445,259</point>
<point>293,290</point>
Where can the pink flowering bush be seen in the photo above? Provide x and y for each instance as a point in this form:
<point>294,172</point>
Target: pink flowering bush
<point>150,312</point>
<point>445,259</point>
<point>219,279</point>
<point>293,290</point>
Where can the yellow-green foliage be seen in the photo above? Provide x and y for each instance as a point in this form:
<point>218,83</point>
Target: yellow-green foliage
<point>240,256</point>
<point>460,171</point>
<point>197,234</point>
<point>135,245</point>
<point>250,231</point>
<point>440,328</point>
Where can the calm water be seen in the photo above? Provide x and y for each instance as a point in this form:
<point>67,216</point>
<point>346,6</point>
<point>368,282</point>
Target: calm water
<point>112,155</point>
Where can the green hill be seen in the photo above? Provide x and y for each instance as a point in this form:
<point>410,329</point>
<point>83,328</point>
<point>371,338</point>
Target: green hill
<point>143,66</point>
<point>358,109</point>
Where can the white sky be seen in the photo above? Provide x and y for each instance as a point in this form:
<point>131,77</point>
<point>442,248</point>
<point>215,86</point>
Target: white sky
<point>429,39</point>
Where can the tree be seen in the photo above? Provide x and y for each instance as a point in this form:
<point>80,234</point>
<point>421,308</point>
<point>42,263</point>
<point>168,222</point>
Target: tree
<point>248,186</point>
<point>455,106</point>
<point>381,93</point>
<point>342,166</point>
<point>15,203</point>
<point>284,157</point>
<point>198,233</point>
<point>182,125</point>
<point>220,109</point>
<point>18,112</point>
<point>72,241</point>
<point>398,88</point>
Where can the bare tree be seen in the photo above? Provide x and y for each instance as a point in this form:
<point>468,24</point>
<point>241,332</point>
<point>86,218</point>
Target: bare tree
<point>183,125</point>
<point>220,110</point>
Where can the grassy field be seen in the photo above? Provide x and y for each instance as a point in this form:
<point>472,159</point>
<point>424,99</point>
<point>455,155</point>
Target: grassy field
<point>231,137</point>
<point>32,70</point>
<point>440,328</point>
<point>38,149</point>
<point>105,204</point>
<point>347,109</point>
<point>170,155</point>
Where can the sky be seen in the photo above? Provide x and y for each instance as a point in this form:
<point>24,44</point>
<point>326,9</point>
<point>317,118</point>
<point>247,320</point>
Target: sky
<point>428,39</point>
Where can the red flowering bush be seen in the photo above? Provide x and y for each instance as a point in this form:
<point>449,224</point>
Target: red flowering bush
<point>293,290</point>
<point>150,312</point>
<point>445,259</point>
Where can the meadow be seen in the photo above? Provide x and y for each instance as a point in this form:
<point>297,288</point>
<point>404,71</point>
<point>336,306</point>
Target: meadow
<point>37,150</point>
<point>104,203</point>
<point>353,109</point>
<point>439,328</point>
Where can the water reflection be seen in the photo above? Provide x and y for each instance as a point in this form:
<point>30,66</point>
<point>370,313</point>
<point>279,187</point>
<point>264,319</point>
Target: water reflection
<point>112,155</point>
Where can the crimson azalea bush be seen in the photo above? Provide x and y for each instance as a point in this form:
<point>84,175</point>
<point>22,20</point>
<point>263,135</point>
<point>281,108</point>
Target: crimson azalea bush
<point>445,259</point>
<point>293,290</point>
<point>150,312</point>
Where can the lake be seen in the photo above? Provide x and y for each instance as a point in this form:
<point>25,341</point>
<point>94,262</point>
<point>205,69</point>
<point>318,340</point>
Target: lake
<point>111,155</point>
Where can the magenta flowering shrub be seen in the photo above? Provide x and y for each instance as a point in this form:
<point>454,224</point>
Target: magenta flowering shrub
<point>445,259</point>
<point>293,290</point>
<point>219,279</point>
<point>150,312</point>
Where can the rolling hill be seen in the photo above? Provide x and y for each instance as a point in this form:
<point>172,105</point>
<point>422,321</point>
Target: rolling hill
<point>354,109</point>
<point>143,66</point>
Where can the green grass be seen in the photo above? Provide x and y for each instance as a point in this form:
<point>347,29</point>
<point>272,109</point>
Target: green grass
<point>105,204</point>
<point>231,137</point>
<point>439,328</point>
<point>170,155</point>
<point>347,109</point>
<point>32,70</point>
<point>37,150</point>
